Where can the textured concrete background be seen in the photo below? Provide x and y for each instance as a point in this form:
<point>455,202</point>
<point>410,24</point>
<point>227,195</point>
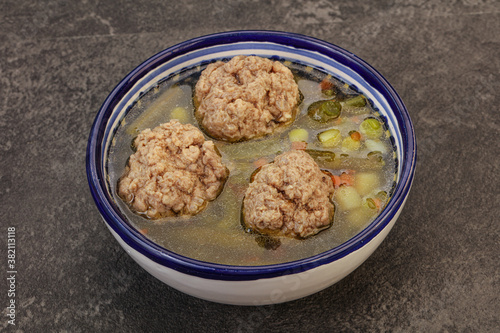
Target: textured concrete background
<point>439,269</point>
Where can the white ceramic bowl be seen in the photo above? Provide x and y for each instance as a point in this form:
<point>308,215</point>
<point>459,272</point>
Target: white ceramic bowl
<point>251,285</point>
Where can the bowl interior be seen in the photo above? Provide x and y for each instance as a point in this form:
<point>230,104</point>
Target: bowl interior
<point>296,48</point>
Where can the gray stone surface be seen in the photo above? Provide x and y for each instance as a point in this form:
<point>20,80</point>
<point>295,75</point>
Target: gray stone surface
<point>439,268</point>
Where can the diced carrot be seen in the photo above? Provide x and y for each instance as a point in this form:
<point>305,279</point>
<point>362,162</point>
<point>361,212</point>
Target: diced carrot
<point>346,179</point>
<point>260,162</point>
<point>326,84</point>
<point>355,135</point>
<point>336,181</point>
<point>299,145</point>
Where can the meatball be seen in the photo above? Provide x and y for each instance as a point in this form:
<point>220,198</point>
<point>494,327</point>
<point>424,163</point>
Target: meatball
<point>290,197</point>
<point>245,98</point>
<point>173,172</point>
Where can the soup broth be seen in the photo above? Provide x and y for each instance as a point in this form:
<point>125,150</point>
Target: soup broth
<point>362,165</point>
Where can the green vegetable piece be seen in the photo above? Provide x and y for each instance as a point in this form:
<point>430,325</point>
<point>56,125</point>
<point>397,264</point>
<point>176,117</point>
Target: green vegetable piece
<point>371,128</point>
<point>382,195</point>
<point>331,108</point>
<point>323,111</point>
<point>298,134</point>
<point>358,101</point>
<point>330,138</point>
<point>370,203</point>
<point>321,156</point>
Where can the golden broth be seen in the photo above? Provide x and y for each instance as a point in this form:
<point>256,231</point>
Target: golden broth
<point>216,234</point>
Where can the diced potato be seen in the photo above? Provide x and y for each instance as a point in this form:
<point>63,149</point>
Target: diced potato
<point>366,182</point>
<point>347,198</point>
<point>349,144</point>
<point>298,134</point>
<point>376,145</point>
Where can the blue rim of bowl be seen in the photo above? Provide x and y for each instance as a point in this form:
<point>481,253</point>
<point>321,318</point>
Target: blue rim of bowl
<point>112,216</point>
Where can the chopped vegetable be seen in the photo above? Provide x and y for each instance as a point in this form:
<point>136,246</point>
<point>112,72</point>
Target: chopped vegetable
<point>330,138</point>
<point>370,203</point>
<point>376,145</point>
<point>344,179</point>
<point>336,181</point>
<point>323,111</point>
<point>347,179</point>
<point>358,101</point>
<point>321,156</point>
<point>366,182</point>
<point>326,84</point>
<point>347,198</point>
<point>349,144</point>
<point>371,128</point>
<point>355,135</point>
<point>362,166</point>
<point>382,195</point>
<point>298,134</point>
<point>373,203</point>
<point>331,108</point>
<point>327,87</point>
